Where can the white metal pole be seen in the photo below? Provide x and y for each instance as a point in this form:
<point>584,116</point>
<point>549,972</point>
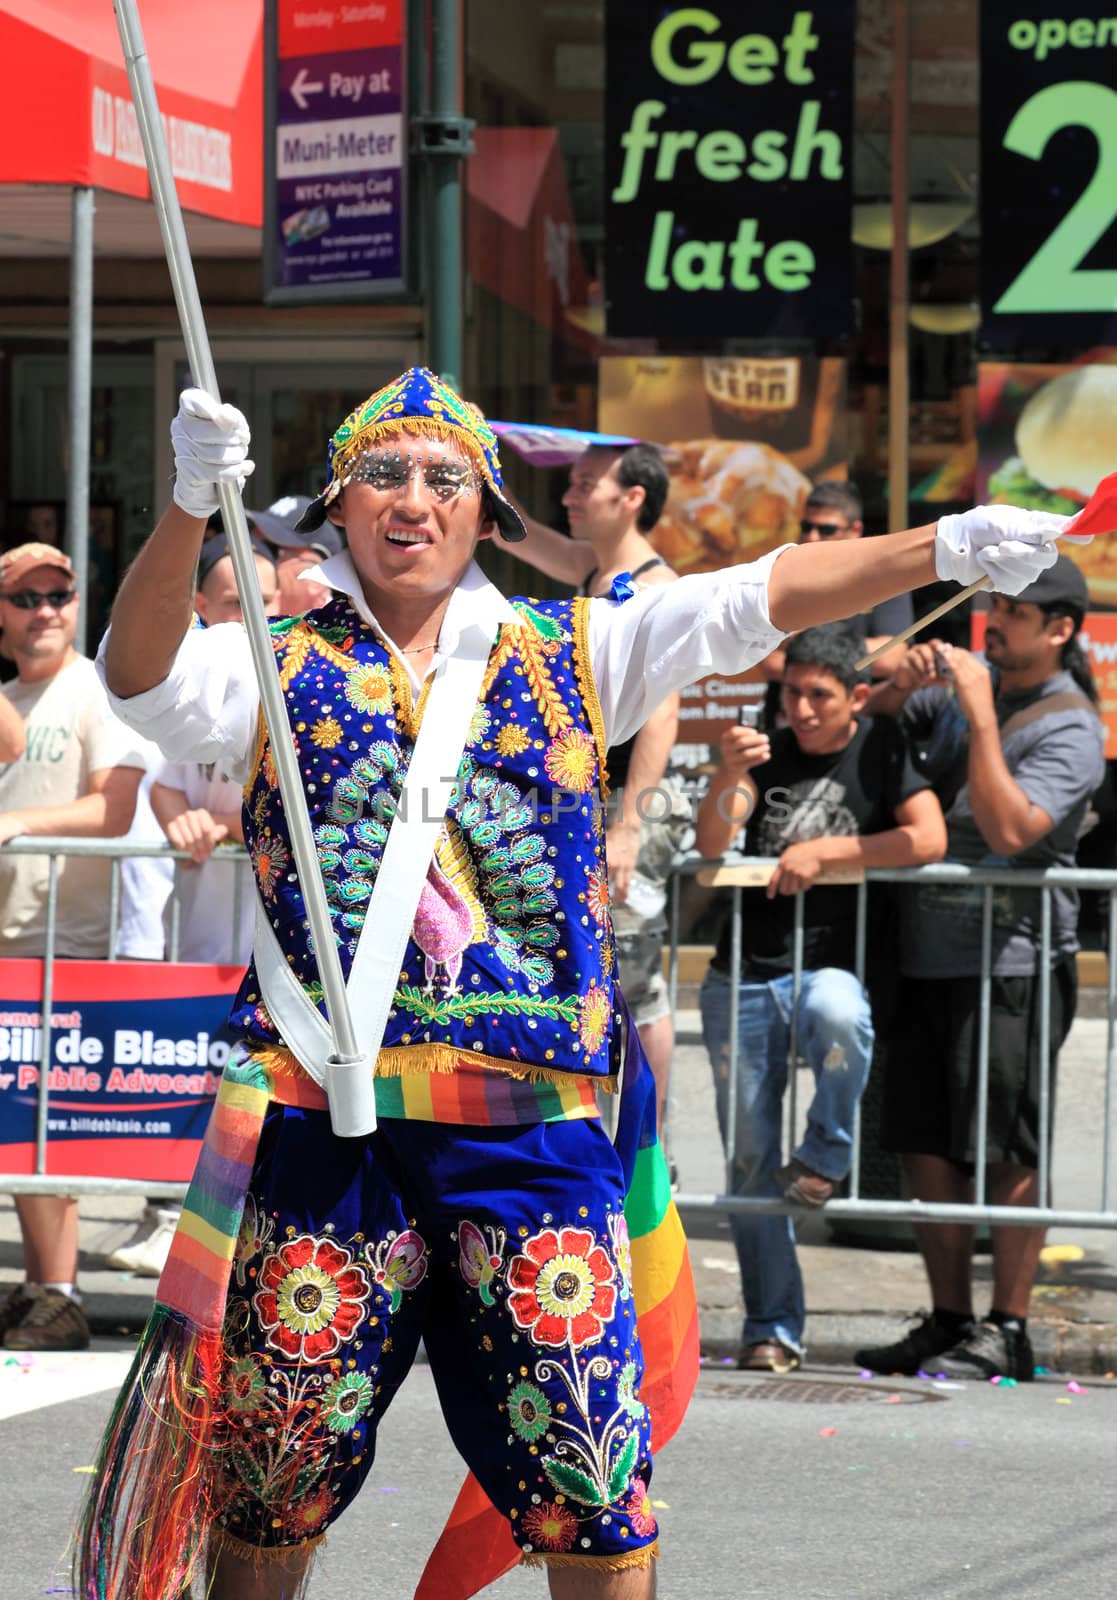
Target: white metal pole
<point>349,1082</point>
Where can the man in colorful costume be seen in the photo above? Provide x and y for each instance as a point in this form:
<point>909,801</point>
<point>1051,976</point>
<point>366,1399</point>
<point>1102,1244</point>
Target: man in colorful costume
<point>487,1213</point>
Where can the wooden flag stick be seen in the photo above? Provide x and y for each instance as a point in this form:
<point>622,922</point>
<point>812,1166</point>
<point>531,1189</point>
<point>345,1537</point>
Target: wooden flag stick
<point>932,616</point>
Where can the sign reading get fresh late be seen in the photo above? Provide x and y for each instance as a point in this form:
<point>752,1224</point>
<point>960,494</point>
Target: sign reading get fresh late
<point>728,170</point>
<point>1048,175</point>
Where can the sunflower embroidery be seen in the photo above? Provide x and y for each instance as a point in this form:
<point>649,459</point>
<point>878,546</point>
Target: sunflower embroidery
<point>306,1517</point>
<point>369,689</point>
<point>571,760</point>
<point>346,1402</point>
<point>312,1297</point>
<point>561,1288</point>
<point>512,740</point>
<point>270,860</point>
<point>597,896</point>
<point>594,1019</point>
<point>529,1412</point>
<point>326,733</point>
<point>550,1526</point>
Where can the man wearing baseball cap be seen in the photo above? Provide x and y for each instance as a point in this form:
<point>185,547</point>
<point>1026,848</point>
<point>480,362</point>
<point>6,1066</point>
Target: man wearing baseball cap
<point>78,776</point>
<point>487,1212</point>
<point>295,553</point>
<point>1013,745</point>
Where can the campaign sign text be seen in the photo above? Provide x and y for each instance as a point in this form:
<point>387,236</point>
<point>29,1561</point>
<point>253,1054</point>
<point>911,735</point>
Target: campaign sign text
<point>336,151</point>
<point>728,170</point>
<point>137,1052</point>
<point>1048,175</point>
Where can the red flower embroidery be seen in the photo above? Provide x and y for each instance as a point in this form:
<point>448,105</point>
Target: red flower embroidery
<point>550,1526</point>
<point>562,1288</point>
<point>597,896</point>
<point>312,1297</point>
<point>639,1509</point>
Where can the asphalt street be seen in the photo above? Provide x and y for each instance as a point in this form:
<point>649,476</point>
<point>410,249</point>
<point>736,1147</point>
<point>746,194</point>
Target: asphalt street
<point>817,1488</point>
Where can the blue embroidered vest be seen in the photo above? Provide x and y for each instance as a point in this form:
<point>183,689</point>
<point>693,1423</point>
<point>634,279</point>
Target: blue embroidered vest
<point>511,953</point>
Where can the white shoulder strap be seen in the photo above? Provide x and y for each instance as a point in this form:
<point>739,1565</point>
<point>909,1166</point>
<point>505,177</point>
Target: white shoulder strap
<point>431,775</point>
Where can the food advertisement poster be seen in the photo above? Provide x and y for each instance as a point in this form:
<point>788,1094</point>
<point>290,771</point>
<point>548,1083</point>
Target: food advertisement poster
<point>1047,435</point>
<point>745,437</point>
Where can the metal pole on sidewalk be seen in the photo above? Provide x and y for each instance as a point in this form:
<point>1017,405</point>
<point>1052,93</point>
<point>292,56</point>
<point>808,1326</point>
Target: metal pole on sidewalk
<point>444,142</point>
<point>80,398</point>
<point>349,1075</point>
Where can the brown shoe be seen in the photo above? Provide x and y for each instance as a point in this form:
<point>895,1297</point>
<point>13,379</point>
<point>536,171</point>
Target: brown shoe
<point>51,1321</point>
<point>14,1306</point>
<point>803,1186</point>
<point>769,1355</point>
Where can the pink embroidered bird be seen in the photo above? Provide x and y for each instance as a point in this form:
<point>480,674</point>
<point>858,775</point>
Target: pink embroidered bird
<point>443,928</point>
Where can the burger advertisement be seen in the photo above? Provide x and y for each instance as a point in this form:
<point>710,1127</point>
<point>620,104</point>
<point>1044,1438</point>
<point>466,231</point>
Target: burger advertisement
<point>1047,436</point>
<point>745,437</point>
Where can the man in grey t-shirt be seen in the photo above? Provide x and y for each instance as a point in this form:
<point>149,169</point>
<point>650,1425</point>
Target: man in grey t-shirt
<point>1014,748</point>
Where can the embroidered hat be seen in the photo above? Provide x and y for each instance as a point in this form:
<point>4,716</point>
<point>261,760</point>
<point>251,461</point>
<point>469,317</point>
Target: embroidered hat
<point>424,404</point>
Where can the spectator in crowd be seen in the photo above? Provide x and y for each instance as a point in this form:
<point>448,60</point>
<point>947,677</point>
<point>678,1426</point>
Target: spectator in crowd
<point>195,808</point>
<point>613,502</point>
<point>296,553</point>
<point>830,790</point>
<point>1013,744</point>
<point>78,777</point>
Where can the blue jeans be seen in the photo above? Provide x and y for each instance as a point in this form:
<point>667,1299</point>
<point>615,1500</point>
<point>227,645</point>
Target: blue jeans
<point>834,1035</point>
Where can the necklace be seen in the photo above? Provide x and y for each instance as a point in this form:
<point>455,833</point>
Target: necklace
<point>417,649</point>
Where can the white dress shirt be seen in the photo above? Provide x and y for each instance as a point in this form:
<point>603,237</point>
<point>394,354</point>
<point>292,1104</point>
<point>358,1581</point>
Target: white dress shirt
<point>641,650</point>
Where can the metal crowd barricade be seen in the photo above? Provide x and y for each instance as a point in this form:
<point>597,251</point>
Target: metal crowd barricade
<point>116,851</point>
<point>734,873</point>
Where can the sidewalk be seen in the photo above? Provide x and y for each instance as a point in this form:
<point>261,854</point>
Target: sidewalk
<point>855,1296</point>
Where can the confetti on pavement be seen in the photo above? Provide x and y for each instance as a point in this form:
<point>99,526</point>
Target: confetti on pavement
<point>32,1382</point>
<point>827,1433</point>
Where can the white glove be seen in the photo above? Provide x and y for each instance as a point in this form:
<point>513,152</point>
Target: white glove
<point>1005,543</point>
<point>211,447</point>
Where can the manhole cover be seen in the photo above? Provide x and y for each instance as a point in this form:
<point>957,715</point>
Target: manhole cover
<point>812,1391</point>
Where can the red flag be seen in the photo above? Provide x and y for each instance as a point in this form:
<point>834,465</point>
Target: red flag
<point>1099,514</point>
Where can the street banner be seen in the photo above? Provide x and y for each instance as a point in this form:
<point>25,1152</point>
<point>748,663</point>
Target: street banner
<point>137,1051</point>
<point>335,152</point>
<point>728,170</point>
<point>744,438</point>
<point>1048,175</point>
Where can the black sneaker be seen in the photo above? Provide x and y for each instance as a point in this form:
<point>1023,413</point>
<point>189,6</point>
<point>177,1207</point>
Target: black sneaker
<point>928,1340</point>
<point>991,1350</point>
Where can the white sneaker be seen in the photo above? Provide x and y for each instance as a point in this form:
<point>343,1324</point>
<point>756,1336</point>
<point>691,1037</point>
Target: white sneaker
<point>146,1252</point>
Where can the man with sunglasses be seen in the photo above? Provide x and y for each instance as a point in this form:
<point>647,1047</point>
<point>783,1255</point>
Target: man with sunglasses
<point>833,511</point>
<point>78,776</point>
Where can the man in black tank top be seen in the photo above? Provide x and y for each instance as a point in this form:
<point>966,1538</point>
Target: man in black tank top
<point>614,500</point>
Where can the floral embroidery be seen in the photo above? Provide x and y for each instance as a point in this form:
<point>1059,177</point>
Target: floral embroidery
<point>597,896</point>
<point>346,1402</point>
<point>594,1023</point>
<point>326,733</point>
<point>639,1509</point>
<point>512,740</point>
<point>369,689</point>
<point>480,1258</point>
<point>480,723</point>
<point>529,1412</point>
<point>626,1390</point>
<point>571,760</point>
<point>245,1386</point>
<point>312,1297</point>
<point>622,1252</point>
<point>550,1526</point>
<point>270,860</point>
<point>253,1237</point>
<point>398,1264</point>
<point>562,1288</point>
<point>307,1516</point>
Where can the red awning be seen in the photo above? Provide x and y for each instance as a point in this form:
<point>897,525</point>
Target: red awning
<point>66,116</point>
<point>523,244</point>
